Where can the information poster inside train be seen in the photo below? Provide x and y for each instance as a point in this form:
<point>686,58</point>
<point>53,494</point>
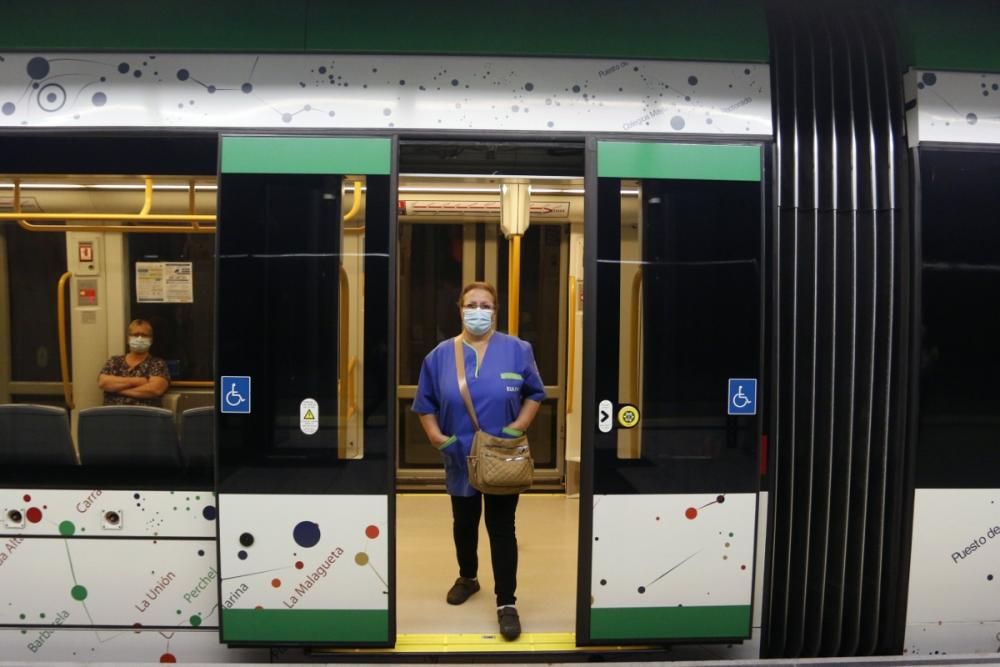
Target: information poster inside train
<point>164,282</point>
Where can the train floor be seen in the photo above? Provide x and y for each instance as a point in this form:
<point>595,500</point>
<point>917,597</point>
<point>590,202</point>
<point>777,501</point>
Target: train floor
<point>426,567</point>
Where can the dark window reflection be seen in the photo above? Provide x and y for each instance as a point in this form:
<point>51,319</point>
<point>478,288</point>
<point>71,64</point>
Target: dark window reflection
<point>430,278</point>
<point>182,331</point>
<point>959,432</point>
<point>700,326</point>
<point>35,263</point>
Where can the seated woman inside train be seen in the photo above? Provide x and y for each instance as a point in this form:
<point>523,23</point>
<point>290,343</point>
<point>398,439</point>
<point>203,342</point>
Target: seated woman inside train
<point>137,377</point>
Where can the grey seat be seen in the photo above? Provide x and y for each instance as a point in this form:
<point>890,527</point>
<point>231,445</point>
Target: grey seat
<point>197,431</point>
<point>128,435</point>
<point>35,434</point>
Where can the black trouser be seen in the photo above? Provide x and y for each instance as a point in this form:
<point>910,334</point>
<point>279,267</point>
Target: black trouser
<point>503,542</point>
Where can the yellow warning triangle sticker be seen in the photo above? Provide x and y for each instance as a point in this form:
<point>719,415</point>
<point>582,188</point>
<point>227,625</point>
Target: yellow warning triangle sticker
<point>309,415</point>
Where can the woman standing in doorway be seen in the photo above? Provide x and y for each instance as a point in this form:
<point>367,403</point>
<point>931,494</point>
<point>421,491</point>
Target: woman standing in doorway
<point>506,392</point>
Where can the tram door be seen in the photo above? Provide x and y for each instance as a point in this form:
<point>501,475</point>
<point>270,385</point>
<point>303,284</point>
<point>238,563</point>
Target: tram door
<point>304,479</point>
<point>672,382</point>
<point>452,233</point>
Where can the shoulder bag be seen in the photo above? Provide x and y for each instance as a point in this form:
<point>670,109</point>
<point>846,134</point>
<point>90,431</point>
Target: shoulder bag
<point>499,466</point>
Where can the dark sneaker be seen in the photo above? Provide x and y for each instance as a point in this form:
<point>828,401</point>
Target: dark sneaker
<point>462,590</point>
<point>510,624</point>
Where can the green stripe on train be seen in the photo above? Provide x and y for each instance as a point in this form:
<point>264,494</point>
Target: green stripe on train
<point>707,162</point>
<point>305,625</point>
<point>701,622</point>
<point>306,155</point>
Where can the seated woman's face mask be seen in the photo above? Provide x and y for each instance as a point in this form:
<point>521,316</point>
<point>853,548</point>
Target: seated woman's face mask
<point>139,343</point>
<point>477,321</point>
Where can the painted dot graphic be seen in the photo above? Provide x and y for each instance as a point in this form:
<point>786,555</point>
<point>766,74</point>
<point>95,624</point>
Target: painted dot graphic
<point>78,593</point>
<point>306,534</point>
<point>693,80</point>
<point>123,68</point>
<point>361,558</point>
<point>691,513</point>
<point>371,532</point>
<point>201,552</point>
<point>183,75</point>
<point>67,528</point>
<point>720,499</point>
<point>99,100</point>
<point>971,118</point>
<point>209,512</point>
<point>677,123</point>
<point>38,68</point>
<point>576,89</point>
<point>34,515</point>
<point>27,498</point>
<point>743,567</point>
<point>242,555</point>
<point>299,565</point>
<point>167,658</point>
<point>989,577</point>
<point>642,589</point>
<point>276,583</point>
<point>195,621</point>
<point>604,582</point>
<point>529,86</point>
<point>247,88</point>
<point>929,78</point>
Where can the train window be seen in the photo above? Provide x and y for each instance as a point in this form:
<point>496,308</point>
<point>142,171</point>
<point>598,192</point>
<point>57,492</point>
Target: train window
<point>303,316</point>
<point>959,423</point>
<point>430,268</point>
<point>34,264</point>
<point>183,321</point>
<point>541,264</point>
<point>60,433</point>
<point>688,284</point>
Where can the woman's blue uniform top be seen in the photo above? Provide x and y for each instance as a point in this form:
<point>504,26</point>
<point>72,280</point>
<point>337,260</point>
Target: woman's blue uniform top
<point>499,382</point>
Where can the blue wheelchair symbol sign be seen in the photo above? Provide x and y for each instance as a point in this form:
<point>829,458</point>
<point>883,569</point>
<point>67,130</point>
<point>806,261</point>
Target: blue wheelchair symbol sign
<point>742,396</point>
<point>234,394</point>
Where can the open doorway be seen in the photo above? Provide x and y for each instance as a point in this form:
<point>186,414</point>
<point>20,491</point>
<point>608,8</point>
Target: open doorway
<point>450,233</point>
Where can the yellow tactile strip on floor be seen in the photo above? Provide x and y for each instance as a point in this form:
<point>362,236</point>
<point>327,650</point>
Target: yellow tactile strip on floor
<point>474,643</point>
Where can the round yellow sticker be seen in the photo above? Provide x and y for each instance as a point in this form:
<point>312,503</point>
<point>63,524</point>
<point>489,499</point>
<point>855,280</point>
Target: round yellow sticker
<point>628,416</point>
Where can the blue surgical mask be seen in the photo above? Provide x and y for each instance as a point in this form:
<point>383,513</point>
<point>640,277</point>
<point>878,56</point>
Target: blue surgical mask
<point>477,321</point>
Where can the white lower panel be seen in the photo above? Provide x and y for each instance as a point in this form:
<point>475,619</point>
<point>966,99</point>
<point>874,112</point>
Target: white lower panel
<point>48,645</point>
<point>669,550</point>
<point>82,512</point>
<point>954,599</point>
<point>955,561</point>
<point>98,582</point>
<point>307,552</point>
<point>952,638</point>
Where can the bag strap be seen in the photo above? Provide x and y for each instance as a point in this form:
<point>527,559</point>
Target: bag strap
<point>463,385</point>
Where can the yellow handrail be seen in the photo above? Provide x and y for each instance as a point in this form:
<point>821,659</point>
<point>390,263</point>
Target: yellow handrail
<point>352,405</point>
<point>571,361</point>
<point>345,332</point>
<point>192,384</point>
<point>356,204</point>
<point>634,365</point>
<point>514,285</point>
<point>22,218</point>
<point>147,203</point>
<point>63,355</point>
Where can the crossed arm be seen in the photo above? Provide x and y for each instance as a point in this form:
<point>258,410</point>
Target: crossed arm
<point>133,387</point>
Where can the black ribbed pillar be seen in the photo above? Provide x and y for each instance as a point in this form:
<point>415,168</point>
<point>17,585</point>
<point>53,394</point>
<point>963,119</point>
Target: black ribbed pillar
<point>840,272</point>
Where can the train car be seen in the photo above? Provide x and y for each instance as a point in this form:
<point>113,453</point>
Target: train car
<point>751,244</point>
